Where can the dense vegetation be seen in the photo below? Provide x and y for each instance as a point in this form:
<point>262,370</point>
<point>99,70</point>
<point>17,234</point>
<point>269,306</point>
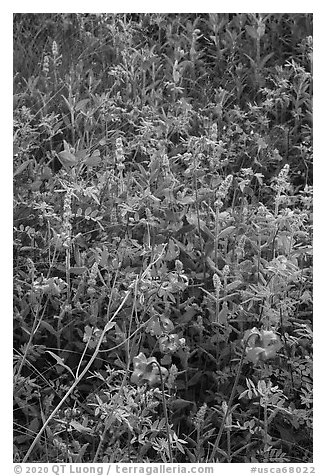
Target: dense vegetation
<point>162,237</point>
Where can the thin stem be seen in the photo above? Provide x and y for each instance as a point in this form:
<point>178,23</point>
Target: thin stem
<point>198,224</point>
<point>265,425</point>
<point>165,413</point>
<point>217,214</point>
<point>76,382</point>
<point>228,436</point>
<point>36,324</point>
<point>226,414</point>
<point>84,352</point>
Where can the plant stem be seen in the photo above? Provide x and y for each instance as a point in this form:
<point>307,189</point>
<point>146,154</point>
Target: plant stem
<point>76,382</point>
<point>165,413</point>
<point>226,414</point>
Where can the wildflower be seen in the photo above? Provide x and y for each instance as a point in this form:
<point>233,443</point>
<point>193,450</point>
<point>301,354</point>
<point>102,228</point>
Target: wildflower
<point>173,372</point>
<point>239,250</point>
<point>198,324</point>
<point>169,344</point>
<point>261,345</point>
<point>166,163</point>
<point>147,371</point>
<point>67,215</point>
<point>50,286</point>
<point>281,181</point>
<point>59,444</point>
<point>226,270</point>
<point>55,50</point>
<point>213,132</point>
<point>119,150</point>
<point>284,172</point>
<point>120,165</point>
<point>246,172</point>
<point>223,190</point>
<point>92,279</point>
<point>182,279</point>
<point>178,266</point>
<point>217,283</point>
<point>228,421</point>
<point>166,171</point>
<point>46,65</point>
<point>158,325</point>
<point>200,415</point>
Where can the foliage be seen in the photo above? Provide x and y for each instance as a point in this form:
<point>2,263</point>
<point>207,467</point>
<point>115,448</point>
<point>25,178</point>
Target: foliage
<point>162,237</point>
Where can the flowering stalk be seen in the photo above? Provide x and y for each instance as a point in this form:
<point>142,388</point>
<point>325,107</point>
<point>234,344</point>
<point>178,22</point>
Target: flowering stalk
<point>281,185</point>
<point>46,66</point>
<point>199,423</point>
<point>55,53</point>
<point>225,272</point>
<point>220,196</point>
<point>120,163</point>
<point>67,227</point>
<point>217,286</point>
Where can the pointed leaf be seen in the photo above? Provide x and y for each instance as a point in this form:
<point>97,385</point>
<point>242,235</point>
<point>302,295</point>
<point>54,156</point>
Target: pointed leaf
<point>226,232</point>
<point>60,361</point>
<point>22,167</point>
<point>67,159</point>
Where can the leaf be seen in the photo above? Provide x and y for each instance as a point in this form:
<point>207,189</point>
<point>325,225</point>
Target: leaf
<point>172,252</point>
<point>193,220</point>
<point>49,328</point>
<point>109,326</point>
<point>77,269</point>
<point>79,458</point>
<point>232,286</point>
<point>252,61</point>
<point>81,104</point>
<point>195,379</point>
<point>46,173</point>
<point>79,427</point>
<point>88,334</point>
<point>248,191</point>
<point>22,167</point>
<point>261,30</point>
<point>166,360</point>
<point>60,361</point>
<point>265,59</point>
<point>81,154</point>
<point>34,426</point>
<point>67,159</point>
<point>226,232</point>
<point>35,186</point>
<point>223,314</point>
<point>212,266</point>
<point>252,32</point>
<point>176,74</point>
<point>186,200</point>
<point>94,159</point>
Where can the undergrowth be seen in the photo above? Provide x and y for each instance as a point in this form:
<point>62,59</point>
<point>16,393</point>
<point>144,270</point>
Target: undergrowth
<point>162,238</point>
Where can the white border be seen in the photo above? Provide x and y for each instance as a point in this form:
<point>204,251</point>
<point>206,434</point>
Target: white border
<point>319,190</point>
